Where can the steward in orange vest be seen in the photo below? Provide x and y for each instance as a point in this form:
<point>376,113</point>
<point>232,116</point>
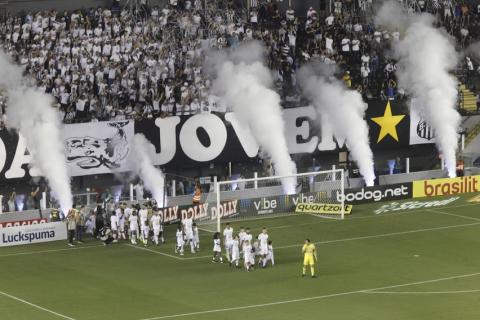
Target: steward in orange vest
<point>197,196</point>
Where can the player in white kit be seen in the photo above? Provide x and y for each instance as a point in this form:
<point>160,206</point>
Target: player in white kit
<point>217,248</point>
<point>143,217</point>
<point>114,226</point>
<point>133,220</point>
<point>156,223</point>
<point>188,229</point>
<point>235,251</point>
<point>247,255</point>
<point>263,247</point>
<point>145,232</point>
<point>120,213</point>
<point>227,241</point>
<point>241,238</point>
<point>180,241</point>
<point>270,256</point>
<point>196,236</point>
<point>127,214</point>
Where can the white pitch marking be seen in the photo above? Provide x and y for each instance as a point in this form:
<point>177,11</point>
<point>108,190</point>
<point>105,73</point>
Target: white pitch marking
<point>154,251</point>
<point>36,306</point>
<point>453,214</point>
<point>309,298</point>
<point>47,251</point>
<point>206,230</point>
<point>384,235</point>
<point>424,292</point>
<point>396,213</point>
<point>366,237</point>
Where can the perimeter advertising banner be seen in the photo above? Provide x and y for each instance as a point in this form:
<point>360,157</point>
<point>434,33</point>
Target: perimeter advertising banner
<point>390,192</point>
<point>44,232</point>
<point>323,208</point>
<point>447,186</point>
<point>242,207</point>
<point>10,224</point>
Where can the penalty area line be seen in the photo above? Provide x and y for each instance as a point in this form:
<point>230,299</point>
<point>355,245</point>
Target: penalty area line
<point>35,306</point>
<point>309,298</point>
<point>424,292</point>
<point>382,235</point>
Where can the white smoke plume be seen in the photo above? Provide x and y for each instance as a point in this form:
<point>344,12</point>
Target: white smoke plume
<point>474,50</point>
<point>30,112</point>
<point>344,110</point>
<point>141,160</point>
<point>245,83</point>
<point>426,58</point>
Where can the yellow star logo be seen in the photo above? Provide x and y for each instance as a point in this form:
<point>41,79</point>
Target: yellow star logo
<point>388,123</point>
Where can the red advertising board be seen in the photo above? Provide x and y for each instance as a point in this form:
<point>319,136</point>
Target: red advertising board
<point>22,223</point>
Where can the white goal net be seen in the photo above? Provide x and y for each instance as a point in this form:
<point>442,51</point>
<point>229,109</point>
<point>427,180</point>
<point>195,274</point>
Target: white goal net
<point>319,193</point>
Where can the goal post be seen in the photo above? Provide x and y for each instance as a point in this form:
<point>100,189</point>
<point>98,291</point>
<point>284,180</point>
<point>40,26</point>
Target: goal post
<point>321,192</point>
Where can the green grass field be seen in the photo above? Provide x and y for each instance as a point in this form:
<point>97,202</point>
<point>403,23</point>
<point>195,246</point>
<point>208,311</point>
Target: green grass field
<point>411,264</point>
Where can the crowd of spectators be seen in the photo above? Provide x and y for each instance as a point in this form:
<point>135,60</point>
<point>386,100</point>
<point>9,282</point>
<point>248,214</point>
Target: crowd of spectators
<point>116,63</point>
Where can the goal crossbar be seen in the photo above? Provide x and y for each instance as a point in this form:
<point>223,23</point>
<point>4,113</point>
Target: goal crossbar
<point>333,174</point>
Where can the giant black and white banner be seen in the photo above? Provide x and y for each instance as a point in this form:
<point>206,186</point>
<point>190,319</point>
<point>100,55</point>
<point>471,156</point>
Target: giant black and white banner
<point>420,131</point>
<point>96,148</point>
<point>90,148</point>
<point>198,140</point>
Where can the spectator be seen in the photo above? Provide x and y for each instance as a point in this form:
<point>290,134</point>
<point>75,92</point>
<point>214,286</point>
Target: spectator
<point>80,223</point>
<point>71,226</point>
<point>11,201</point>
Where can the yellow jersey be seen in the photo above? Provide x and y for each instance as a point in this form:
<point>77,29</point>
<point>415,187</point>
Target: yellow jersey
<point>309,249</point>
<point>309,254</point>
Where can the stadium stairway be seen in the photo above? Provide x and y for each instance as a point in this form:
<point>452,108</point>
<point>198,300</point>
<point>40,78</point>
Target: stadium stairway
<point>468,100</point>
<point>472,137</point>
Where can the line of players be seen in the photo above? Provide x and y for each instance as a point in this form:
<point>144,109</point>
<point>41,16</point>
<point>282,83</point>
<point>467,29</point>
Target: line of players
<point>241,246</point>
<point>141,223</point>
<point>238,247</point>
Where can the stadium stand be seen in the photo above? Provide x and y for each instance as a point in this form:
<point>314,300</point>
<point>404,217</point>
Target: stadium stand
<point>113,64</point>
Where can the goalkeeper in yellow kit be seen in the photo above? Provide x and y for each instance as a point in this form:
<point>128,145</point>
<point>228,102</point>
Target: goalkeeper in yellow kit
<point>309,257</point>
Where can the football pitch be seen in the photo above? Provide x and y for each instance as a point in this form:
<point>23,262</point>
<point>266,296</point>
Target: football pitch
<point>418,263</point>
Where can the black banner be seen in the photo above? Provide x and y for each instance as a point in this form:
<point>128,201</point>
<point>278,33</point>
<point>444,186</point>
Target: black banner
<point>377,193</point>
<point>389,124</point>
<point>201,139</point>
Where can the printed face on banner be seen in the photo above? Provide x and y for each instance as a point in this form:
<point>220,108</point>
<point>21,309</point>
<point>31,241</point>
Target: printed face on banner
<point>96,148</point>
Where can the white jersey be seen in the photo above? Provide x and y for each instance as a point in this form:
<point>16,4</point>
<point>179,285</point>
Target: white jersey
<point>235,250</point>
<point>270,254</point>
<point>248,236</point>
<point>121,219</point>
<point>228,235</point>
<point>263,238</point>
<point>216,245</point>
<point>143,215</point>
<point>179,236</point>
<point>256,248</point>
<point>128,213</point>
<point>187,227</point>
<point>114,222</point>
<point>155,220</point>
<point>247,253</point>
<point>120,215</point>
<point>133,222</point>
<point>241,236</point>
<point>196,236</point>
